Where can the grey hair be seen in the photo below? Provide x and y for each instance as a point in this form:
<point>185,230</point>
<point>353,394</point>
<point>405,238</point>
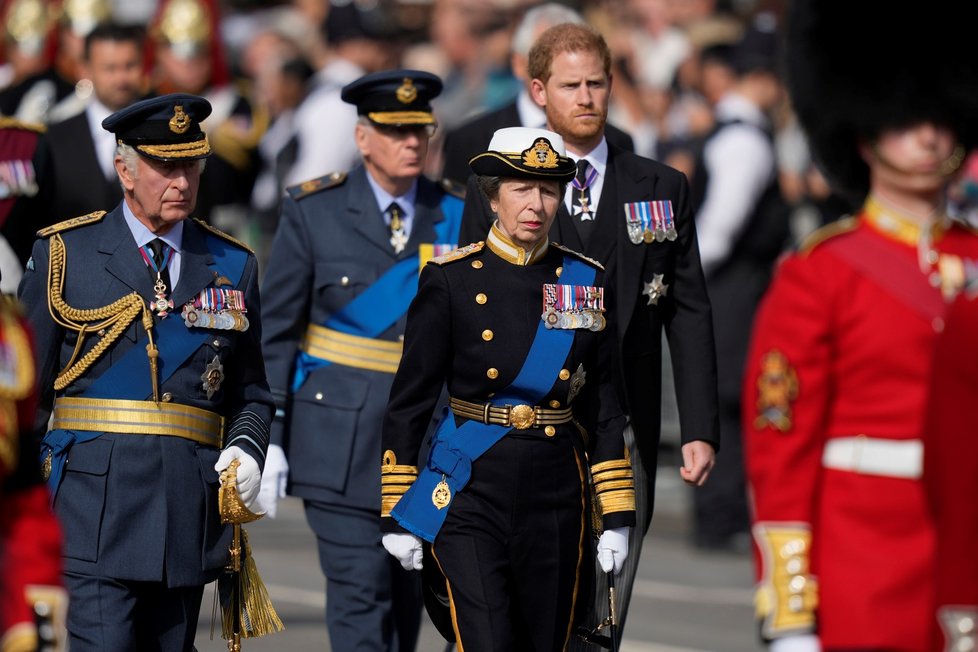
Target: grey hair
<point>544,16</point>
<point>130,156</point>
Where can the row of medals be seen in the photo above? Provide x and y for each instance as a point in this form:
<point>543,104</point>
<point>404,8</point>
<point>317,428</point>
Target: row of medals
<point>589,319</point>
<point>228,320</point>
<point>638,234</point>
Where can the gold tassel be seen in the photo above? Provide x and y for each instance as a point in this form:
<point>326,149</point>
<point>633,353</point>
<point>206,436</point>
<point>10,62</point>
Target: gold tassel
<point>258,616</point>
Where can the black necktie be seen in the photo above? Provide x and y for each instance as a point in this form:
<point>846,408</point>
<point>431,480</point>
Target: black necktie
<point>398,233</point>
<point>581,207</point>
<point>160,250</point>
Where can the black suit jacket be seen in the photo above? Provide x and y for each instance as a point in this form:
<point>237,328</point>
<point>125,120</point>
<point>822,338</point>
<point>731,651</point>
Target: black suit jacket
<point>471,138</point>
<point>684,313</point>
<point>81,185</point>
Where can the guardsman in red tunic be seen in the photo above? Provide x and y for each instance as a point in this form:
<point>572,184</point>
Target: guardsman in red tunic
<point>32,602</point>
<point>841,354</point>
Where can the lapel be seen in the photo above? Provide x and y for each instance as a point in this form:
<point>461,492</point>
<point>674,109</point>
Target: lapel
<point>427,213</point>
<point>124,261</point>
<point>632,183</point>
<point>197,269</point>
<point>364,212</point>
<point>563,231</point>
<point>604,234</point>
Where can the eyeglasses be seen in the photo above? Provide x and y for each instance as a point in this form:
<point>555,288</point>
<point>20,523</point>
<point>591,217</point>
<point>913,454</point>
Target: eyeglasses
<point>397,132</point>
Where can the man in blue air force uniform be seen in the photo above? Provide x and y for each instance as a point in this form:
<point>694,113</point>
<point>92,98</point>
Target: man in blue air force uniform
<point>342,270</point>
<point>149,357</point>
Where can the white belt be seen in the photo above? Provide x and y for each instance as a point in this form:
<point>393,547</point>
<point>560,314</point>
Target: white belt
<point>894,458</point>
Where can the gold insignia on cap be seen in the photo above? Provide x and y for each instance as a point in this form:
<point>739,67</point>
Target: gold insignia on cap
<point>541,155</point>
<point>407,92</point>
<point>180,121</point>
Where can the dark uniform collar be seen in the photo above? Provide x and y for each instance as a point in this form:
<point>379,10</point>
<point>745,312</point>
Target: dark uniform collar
<point>502,246</point>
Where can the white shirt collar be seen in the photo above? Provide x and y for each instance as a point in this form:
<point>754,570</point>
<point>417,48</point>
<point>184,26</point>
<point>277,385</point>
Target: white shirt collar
<point>530,114</point>
<point>384,199</point>
<point>143,236</point>
<point>597,157</point>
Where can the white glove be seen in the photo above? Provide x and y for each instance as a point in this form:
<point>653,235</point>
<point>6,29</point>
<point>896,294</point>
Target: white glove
<point>796,643</point>
<point>273,479</point>
<point>613,549</point>
<point>249,475</point>
<point>405,547</point>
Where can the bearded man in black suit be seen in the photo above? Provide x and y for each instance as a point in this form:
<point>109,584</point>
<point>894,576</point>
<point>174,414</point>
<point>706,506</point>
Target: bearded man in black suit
<point>634,216</point>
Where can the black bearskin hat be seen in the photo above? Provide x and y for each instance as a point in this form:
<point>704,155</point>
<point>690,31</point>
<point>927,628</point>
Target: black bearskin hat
<point>856,68</point>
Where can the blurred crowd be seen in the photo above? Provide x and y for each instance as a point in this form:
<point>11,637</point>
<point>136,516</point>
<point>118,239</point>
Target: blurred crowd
<point>273,71</point>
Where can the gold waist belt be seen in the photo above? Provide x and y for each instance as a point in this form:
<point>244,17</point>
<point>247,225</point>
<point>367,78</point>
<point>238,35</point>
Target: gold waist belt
<point>139,418</point>
<point>352,350</point>
<point>520,417</point>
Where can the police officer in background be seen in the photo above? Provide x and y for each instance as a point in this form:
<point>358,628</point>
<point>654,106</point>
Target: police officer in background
<point>149,363</point>
<point>342,270</point>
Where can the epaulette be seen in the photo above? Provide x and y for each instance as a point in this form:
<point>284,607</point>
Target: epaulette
<point>459,254</point>
<point>830,230</point>
<point>313,186</point>
<point>13,123</point>
<point>577,254</point>
<point>453,188</point>
<point>221,234</point>
<point>73,223</point>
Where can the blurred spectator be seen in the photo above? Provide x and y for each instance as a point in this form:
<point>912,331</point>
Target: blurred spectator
<point>82,152</point>
<point>473,137</point>
<point>188,57</point>
<point>359,42</point>
<point>742,224</point>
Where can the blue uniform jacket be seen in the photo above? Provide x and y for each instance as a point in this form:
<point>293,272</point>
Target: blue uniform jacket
<point>330,246</point>
<point>144,507</point>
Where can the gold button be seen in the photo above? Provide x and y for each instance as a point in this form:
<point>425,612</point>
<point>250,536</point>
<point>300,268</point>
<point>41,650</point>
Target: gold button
<point>101,332</point>
<point>476,264</point>
<point>345,280</point>
<point>564,374</point>
<point>560,270</point>
<point>167,397</point>
<point>319,396</point>
<point>493,373</point>
<point>550,431</point>
<point>555,404</point>
<point>487,335</point>
<point>481,298</point>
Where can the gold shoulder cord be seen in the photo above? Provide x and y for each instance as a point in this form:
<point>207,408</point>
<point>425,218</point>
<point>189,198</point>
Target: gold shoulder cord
<point>116,317</point>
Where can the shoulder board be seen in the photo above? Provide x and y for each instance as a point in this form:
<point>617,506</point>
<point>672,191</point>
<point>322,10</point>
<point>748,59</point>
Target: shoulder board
<point>459,254</point>
<point>453,188</point>
<point>14,123</point>
<point>223,235</point>
<point>578,255</point>
<point>73,223</point>
<point>313,186</point>
<point>827,232</point>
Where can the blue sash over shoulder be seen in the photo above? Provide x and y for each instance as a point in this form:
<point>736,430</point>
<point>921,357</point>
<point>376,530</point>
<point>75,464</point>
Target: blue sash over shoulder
<point>454,449</point>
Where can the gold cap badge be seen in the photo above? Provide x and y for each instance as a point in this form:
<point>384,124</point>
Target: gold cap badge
<point>407,92</point>
<point>541,155</point>
<point>180,121</point>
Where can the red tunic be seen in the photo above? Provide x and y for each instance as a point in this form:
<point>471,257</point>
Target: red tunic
<point>842,349</point>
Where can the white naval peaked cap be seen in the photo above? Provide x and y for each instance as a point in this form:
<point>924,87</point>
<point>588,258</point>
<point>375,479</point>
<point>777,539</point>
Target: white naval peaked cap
<point>512,140</point>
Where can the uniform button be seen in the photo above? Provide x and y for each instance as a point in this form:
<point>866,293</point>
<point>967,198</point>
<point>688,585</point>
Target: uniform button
<point>319,396</point>
<point>101,332</point>
<point>476,264</point>
<point>481,298</point>
<point>167,397</point>
<point>550,431</point>
<point>796,604</point>
<point>932,257</point>
<point>564,374</point>
<point>555,404</point>
<point>793,565</point>
<point>493,373</point>
<point>487,335</point>
<point>400,338</point>
<point>345,280</point>
<point>560,270</point>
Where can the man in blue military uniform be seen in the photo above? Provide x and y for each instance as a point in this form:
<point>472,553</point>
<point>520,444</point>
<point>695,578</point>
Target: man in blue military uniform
<point>342,270</point>
<point>149,362</point>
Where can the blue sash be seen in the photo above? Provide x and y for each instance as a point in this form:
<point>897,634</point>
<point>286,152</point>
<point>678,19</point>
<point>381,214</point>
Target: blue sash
<point>454,449</point>
<point>128,379</point>
<point>387,299</point>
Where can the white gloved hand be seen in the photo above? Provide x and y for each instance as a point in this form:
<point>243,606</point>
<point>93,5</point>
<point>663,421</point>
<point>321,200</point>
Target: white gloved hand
<point>613,549</point>
<point>249,475</point>
<point>796,643</point>
<point>405,547</point>
<point>273,480</point>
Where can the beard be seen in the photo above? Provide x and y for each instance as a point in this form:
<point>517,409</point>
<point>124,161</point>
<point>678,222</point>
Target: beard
<point>577,129</point>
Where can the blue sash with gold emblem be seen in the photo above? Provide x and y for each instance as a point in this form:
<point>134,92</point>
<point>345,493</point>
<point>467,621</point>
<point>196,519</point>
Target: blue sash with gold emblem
<point>387,299</point>
<point>128,379</point>
<point>454,449</point>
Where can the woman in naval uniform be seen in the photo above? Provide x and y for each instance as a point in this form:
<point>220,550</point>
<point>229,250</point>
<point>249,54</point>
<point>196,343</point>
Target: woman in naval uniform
<point>515,326</point>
